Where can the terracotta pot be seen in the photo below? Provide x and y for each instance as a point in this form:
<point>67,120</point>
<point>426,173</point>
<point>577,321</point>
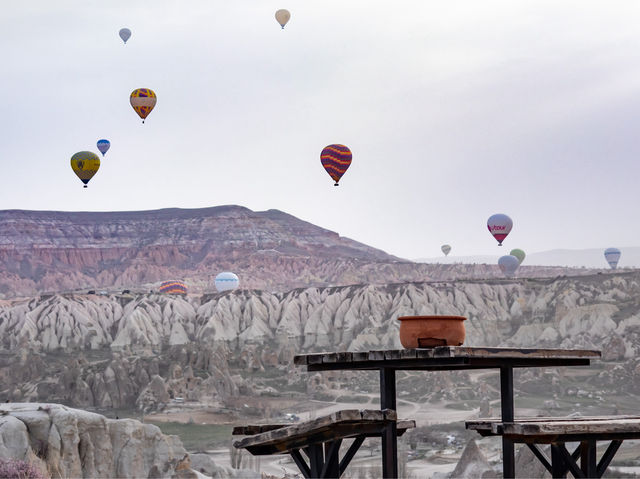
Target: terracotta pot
<point>431,331</point>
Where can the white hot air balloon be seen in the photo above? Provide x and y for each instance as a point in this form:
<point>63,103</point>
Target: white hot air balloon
<point>508,265</point>
<point>226,281</point>
<point>446,249</point>
<point>499,226</point>
<point>125,34</point>
<point>612,255</point>
<point>283,16</point>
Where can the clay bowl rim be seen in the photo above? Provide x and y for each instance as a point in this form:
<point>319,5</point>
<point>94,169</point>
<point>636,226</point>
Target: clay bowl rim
<point>409,318</point>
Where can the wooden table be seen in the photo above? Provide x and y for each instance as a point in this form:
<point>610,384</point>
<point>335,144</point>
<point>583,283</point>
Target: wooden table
<point>445,358</point>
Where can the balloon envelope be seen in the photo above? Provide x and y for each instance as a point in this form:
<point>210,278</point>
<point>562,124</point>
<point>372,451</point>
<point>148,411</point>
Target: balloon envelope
<point>143,100</point>
<point>518,253</point>
<point>173,287</point>
<point>336,160</point>
<point>283,16</point>
<point>125,34</point>
<point>226,281</point>
<point>445,249</point>
<point>85,164</point>
<point>612,255</point>
<point>508,264</point>
<point>499,226</point>
<point>103,146</point>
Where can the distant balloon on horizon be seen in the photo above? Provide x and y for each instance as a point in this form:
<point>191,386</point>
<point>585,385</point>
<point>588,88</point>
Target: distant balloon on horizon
<point>499,226</point>
<point>226,281</point>
<point>125,34</point>
<point>518,253</point>
<point>612,255</point>
<point>446,249</point>
<point>508,265</point>
<point>173,287</point>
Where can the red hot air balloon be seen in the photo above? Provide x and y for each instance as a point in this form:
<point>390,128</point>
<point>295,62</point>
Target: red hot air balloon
<point>336,159</point>
<point>499,226</point>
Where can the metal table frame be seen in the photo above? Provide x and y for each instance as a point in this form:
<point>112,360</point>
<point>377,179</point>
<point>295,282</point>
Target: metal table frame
<point>445,358</point>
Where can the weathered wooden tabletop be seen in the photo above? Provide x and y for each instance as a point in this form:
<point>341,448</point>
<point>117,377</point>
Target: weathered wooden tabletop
<point>446,358</point>
<point>552,429</point>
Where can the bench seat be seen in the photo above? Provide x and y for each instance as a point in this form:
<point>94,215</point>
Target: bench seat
<point>320,439</point>
<point>558,431</point>
<point>554,429</point>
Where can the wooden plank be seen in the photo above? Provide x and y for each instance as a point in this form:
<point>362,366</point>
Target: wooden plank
<point>517,353</point>
<point>300,360</point>
<point>340,424</point>
<point>376,355</point>
<point>360,356</point>
<point>255,429</point>
<point>393,354</point>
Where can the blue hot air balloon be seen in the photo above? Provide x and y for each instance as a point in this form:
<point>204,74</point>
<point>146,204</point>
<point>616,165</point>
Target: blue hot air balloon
<point>508,265</point>
<point>612,255</point>
<point>103,146</point>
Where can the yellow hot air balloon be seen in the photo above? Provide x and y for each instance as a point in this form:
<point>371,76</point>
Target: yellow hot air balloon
<point>143,100</point>
<point>283,16</point>
<point>85,164</point>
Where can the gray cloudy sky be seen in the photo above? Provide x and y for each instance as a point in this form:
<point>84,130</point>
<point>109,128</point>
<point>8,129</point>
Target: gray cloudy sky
<point>454,110</point>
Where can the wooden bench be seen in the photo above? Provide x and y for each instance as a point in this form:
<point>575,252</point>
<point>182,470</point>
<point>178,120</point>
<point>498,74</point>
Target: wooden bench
<point>320,439</point>
<point>559,431</point>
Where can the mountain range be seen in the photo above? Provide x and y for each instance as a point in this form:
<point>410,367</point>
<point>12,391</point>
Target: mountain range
<point>54,251</point>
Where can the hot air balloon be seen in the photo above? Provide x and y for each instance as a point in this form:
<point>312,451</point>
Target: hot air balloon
<point>518,253</point>
<point>612,255</point>
<point>173,287</point>
<point>125,34</point>
<point>85,164</point>
<point>445,249</point>
<point>283,16</point>
<point>226,281</point>
<point>508,264</point>
<point>336,160</point>
<point>499,226</point>
<point>143,100</point>
<point>103,146</point>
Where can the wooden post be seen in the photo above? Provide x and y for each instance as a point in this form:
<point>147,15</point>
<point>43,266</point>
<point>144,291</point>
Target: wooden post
<point>558,467</point>
<point>506,406</point>
<point>389,433</point>
<point>588,462</point>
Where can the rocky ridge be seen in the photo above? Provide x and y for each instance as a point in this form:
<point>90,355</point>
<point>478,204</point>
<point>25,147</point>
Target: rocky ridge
<point>270,250</point>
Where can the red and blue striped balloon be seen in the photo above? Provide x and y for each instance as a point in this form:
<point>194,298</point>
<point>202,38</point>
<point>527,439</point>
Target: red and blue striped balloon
<point>336,160</point>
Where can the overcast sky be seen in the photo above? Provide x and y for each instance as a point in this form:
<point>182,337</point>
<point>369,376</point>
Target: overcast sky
<point>454,110</point>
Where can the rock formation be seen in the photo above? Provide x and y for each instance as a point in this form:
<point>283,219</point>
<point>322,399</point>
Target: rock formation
<point>102,351</point>
<point>66,442</point>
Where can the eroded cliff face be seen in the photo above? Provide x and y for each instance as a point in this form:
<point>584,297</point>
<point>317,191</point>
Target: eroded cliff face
<point>65,442</point>
<point>270,250</point>
<point>140,351</point>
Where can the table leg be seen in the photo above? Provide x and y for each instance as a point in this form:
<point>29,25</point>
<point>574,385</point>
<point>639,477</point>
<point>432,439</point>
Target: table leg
<point>389,433</point>
<point>588,461</point>
<point>558,467</point>
<point>506,406</point>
